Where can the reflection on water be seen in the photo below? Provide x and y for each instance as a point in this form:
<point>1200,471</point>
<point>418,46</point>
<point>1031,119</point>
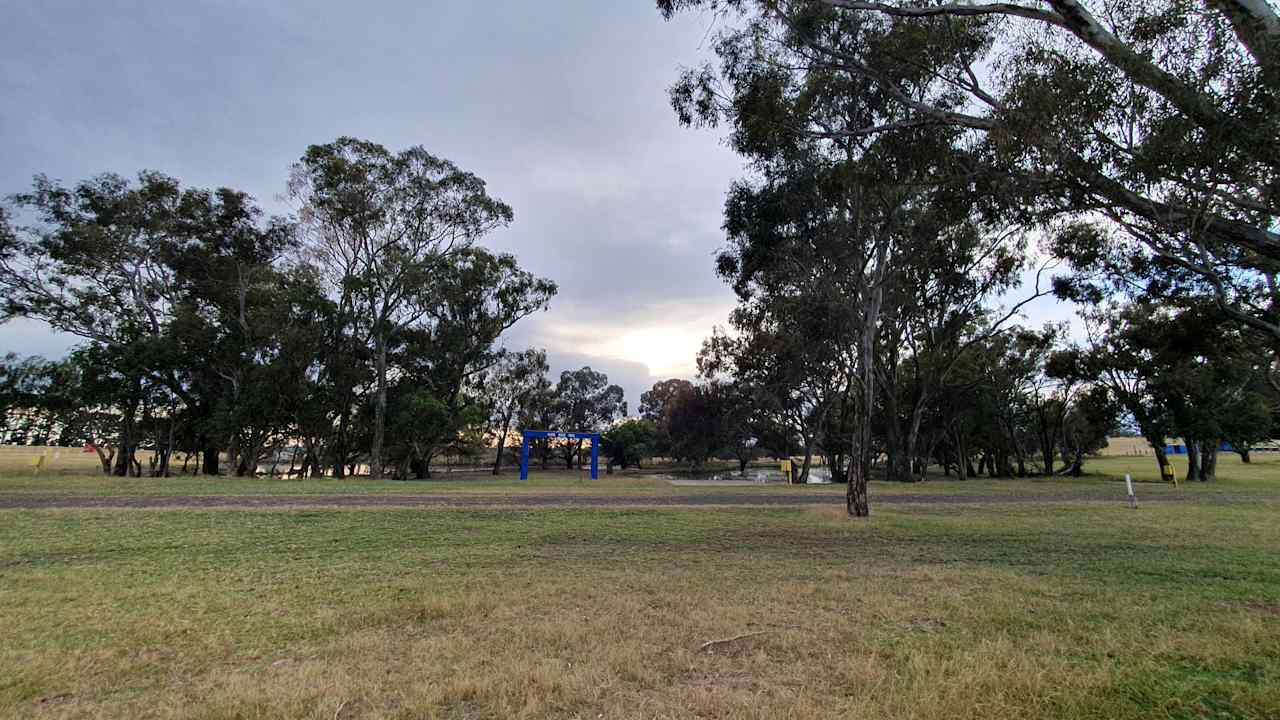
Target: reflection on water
<point>753,476</point>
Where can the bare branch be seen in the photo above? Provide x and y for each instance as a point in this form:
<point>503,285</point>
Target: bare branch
<point>953,9</point>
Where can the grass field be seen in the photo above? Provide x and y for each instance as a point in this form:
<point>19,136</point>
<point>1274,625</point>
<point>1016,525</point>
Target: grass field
<point>1073,610</point>
<point>1261,477</point>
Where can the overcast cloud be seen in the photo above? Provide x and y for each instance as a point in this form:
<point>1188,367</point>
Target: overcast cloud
<point>560,106</point>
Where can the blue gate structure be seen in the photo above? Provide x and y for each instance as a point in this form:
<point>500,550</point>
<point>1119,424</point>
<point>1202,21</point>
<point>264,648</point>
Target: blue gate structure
<point>556,435</point>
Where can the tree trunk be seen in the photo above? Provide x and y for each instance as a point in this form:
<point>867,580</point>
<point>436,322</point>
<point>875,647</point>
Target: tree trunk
<point>502,441</point>
<point>209,460</point>
<point>379,406</point>
<point>1046,452</point>
<point>856,501</point>
<point>1209,460</point>
<point>104,458</point>
<point>916,466</point>
<point>340,445</point>
<point>1193,459</point>
<point>168,449</point>
<point>1161,458</point>
<point>808,461</point>
<point>233,454</point>
<point>1244,455</point>
<point>128,444</point>
<point>1018,454</point>
<point>895,469</point>
<point>418,467</point>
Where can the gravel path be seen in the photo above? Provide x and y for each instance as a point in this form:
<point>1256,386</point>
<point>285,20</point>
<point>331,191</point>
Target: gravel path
<point>33,502</point>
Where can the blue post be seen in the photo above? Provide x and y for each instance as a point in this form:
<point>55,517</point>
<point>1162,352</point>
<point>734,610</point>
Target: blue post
<point>524,458</point>
<point>595,457</point>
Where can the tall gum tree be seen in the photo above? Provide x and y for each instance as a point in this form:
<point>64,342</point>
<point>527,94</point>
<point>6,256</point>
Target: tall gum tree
<point>1155,118</point>
<point>832,218</point>
<point>381,223</point>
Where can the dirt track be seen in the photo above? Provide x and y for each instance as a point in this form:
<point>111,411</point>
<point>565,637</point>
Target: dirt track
<point>35,502</point>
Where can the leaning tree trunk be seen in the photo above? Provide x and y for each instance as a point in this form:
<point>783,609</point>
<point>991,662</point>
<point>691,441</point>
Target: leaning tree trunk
<point>1162,459</point>
<point>808,461</point>
<point>1193,459</point>
<point>104,458</point>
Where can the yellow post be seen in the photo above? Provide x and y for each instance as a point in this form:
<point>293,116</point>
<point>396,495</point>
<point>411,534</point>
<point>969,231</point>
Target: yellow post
<point>785,466</point>
<point>38,463</point>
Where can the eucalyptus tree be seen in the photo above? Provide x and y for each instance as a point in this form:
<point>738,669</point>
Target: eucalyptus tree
<point>741,421</point>
<point>444,359</point>
<point>509,384</point>
<point>128,267</point>
<point>235,303</point>
<point>1124,354</point>
<point>92,260</point>
<point>696,422</point>
<point>1154,122</point>
<point>937,312</point>
<point>585,402</point>
<point>382,224</point>
<point>541,411</point>
<point>654,401</point>
<point>820,237</point>
<point>28,413</point>
<point>655,406</point>
<point>1209,376</point>
<point>629,442</point>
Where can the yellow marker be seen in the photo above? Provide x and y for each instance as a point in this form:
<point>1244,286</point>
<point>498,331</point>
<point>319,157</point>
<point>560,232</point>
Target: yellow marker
<point>785,466</point>
<point>38,462</point>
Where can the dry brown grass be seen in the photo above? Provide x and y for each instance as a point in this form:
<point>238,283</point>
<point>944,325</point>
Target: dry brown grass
<point>540,648</point>
<point>926,612</point>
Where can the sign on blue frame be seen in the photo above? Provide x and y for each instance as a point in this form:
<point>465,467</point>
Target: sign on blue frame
<point>557,435</point>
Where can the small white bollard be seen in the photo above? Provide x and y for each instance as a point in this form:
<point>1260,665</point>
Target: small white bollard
<point>1133,499</point>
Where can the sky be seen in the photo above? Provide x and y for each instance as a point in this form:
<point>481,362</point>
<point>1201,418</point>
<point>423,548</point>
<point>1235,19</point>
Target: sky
<point>561,107</point>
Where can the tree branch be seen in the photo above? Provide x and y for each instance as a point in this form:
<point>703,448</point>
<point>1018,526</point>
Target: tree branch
<point>953,9</point>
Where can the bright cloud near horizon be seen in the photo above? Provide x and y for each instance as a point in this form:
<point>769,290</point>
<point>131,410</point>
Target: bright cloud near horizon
<point>560,107</point>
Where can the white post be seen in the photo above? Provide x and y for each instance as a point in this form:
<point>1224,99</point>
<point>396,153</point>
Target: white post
<point>1133,499</point>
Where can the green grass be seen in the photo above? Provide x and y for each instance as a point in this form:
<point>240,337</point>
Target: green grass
<point>979,611</point>
<point>1073,610</point>
<point>1259,478</point>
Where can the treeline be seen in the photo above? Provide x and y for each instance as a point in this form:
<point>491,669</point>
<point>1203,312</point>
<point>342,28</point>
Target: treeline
<point>363,330</point>
<point>1013,403</point>
<point>909,163</point>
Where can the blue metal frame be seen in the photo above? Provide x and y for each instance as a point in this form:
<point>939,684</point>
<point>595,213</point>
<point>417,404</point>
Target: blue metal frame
<point>593,437</point>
